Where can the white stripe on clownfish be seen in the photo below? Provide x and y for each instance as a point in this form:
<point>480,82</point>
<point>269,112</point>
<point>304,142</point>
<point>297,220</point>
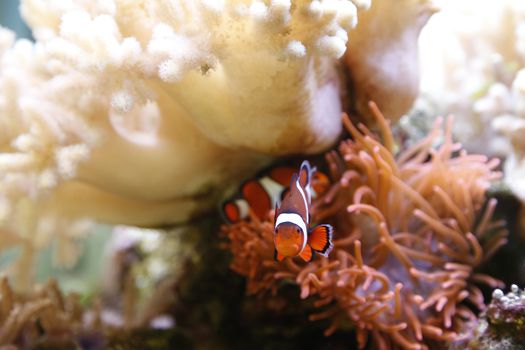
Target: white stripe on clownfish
<point>308,186</point>
<point>243,207</point>
<point>309,193</point>
<point>273,189</point>
<point>295,219</point>
<point>306,206</point>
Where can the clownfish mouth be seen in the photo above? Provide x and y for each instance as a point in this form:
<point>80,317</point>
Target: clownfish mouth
<point>289,249</point>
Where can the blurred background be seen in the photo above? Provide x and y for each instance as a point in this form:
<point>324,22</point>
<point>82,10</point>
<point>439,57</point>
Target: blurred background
<point>10,18</point>
<point>190,256</point>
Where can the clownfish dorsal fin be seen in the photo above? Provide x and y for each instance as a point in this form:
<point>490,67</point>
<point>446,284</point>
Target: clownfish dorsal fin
<point>320,239</point>
<point>307,254</point>
<point>284,193</point>
<point>293,180</point>
<point>305,173</point>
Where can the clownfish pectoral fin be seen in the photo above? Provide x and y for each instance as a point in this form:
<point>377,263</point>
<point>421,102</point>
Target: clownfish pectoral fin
<point>305,173</point>
<point>278,256</point>
<point>257,198</point>
<point>320,239</point>
<point>307,254</point>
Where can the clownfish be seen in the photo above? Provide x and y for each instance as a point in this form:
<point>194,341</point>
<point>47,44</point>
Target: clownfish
<point>258,195</point>
<point>262,194</point>
<point>293,235</point>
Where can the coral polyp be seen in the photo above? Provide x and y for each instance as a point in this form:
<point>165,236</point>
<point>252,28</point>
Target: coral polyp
<point>410,230</point>
<point>500,326</point>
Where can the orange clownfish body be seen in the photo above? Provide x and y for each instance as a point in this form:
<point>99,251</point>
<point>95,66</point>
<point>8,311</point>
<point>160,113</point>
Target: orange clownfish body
<point>259,195</point>
<point>292,233</point>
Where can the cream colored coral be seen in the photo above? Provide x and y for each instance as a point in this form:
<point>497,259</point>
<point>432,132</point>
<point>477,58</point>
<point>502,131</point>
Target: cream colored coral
<point>383,58</point>
<point>512,126</point>
<point>181,95</point>
<point>470,53</point>
<point>473,59</point>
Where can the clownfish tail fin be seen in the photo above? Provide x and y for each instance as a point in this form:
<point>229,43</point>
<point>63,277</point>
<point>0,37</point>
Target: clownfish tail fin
<point>320,239</point>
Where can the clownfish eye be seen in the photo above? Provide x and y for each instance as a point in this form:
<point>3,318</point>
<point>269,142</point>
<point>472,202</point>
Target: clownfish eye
<point>298,230</point>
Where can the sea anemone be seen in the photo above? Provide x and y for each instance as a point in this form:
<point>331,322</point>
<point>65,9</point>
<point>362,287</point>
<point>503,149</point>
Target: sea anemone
<point>410,230</point>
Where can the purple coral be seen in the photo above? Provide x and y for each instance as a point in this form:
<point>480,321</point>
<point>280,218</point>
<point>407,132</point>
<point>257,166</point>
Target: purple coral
<point>500,326</point>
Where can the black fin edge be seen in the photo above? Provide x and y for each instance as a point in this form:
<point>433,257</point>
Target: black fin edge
<point>329,244</point>
<point>313,255</point>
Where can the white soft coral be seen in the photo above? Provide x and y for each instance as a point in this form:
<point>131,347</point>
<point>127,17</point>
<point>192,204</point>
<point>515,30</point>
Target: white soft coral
<point>474,66</point>
<point>383,59</point>
<point>145,109</point>
<point>40,139</point>
<point>142,112</point>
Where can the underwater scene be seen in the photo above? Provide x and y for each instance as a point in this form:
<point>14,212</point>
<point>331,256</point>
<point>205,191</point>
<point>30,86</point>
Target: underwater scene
<point>262,174</point>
